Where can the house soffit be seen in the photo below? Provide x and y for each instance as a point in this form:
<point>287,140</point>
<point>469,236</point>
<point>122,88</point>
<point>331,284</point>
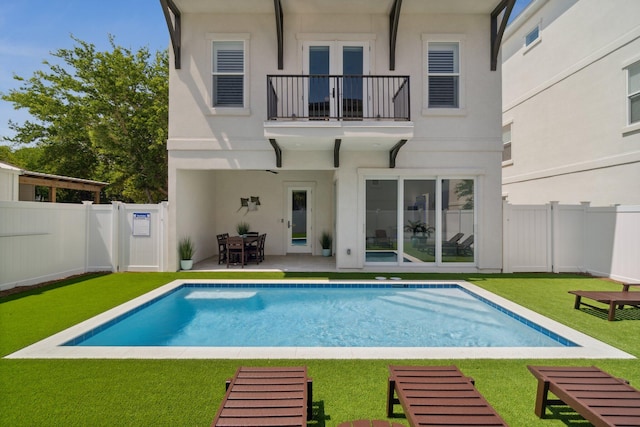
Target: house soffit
<point>382,7</point>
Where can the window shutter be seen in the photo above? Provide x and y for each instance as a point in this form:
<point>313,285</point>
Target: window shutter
<point>443,75</point>
<point>228,79</point>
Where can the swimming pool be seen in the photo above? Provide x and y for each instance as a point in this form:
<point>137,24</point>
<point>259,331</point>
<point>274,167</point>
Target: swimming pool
<point>226,315</point>
<point>401,296</point>
<point>384,256</point>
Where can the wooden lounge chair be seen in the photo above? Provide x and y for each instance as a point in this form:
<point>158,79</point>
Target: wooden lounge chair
<point>437,396</point>
<point>615,299</point>
<point>267,397</point>
<point>599,397</point>
<point>465,248</point>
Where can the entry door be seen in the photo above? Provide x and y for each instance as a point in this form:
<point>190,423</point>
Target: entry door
<point>330,96</point>
<point>299,220</point>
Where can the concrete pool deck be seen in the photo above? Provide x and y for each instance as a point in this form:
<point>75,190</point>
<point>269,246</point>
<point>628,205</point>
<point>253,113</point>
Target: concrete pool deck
<point>53,348</point>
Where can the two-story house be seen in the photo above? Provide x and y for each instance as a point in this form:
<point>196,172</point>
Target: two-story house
<point>571,101</point>
<point>378,121</point>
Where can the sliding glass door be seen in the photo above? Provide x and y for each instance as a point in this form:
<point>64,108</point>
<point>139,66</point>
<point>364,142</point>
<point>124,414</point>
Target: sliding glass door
<point>419,221</point>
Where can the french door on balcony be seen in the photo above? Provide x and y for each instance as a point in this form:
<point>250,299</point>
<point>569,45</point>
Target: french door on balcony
<point>335,87</point>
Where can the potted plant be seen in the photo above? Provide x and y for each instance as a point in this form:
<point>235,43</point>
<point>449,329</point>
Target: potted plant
<point>242,228</point>
<point>416,227</point>
<point>325,241</point>
<point>186,251</point>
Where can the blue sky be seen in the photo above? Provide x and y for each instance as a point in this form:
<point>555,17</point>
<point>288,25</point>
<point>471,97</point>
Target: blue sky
<point>31,29</point>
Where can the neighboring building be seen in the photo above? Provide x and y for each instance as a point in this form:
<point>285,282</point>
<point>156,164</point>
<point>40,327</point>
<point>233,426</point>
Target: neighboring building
<point>359,117</point>
<point>20,185</point>
<point>571,103</point>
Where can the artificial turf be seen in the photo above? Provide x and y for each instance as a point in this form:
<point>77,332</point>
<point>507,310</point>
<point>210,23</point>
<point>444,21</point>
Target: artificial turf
<point>188,392</point>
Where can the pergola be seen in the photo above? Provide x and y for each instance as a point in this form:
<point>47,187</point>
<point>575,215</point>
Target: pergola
<point>55,181</point>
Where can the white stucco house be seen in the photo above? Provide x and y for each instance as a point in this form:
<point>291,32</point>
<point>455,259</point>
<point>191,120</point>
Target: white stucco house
<point>571,103</point>
<point>362,118</point>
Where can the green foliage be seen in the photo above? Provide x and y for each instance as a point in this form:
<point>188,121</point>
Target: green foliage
<point>464,190</point>
<point>326,240</point>
<point>101,116</point>
<point>186,248</point>
<point>416,227</point>
<point>242,228</point>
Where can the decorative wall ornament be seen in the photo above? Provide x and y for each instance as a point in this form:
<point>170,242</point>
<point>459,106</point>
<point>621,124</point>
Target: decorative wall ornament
<point>251,203</point>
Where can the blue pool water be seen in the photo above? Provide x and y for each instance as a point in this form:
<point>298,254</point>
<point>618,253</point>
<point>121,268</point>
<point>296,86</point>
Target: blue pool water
<point>383,256</point>
<point>317,316</point>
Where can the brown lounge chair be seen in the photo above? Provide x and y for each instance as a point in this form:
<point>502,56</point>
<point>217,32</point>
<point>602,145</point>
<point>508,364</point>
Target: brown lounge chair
<point>267,397</point>
<point>438,396</point>
<point>599,397</point>
<point>613,299</point>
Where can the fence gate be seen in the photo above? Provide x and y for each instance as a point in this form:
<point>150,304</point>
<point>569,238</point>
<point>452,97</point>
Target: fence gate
<point>527,238</point>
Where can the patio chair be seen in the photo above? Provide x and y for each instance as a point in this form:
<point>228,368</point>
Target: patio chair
<point>222,247</point>
<point>267,396</point>
<point>261,242</point>
<point>381,239</point>
<point>438,395</point>
<point>252,248</point>
<point>235,251</point>
<point>599,397</point>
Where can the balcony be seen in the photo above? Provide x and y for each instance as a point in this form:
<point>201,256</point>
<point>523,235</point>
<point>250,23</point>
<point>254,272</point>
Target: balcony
<point>331,97</point>
<point>326,112</point>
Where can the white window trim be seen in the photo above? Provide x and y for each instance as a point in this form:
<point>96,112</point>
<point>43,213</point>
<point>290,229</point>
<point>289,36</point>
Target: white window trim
<point>462,105</point>
<point>510,161</point>
<point>536,42</point>
<point>629,127</point>
<point>229,111</point>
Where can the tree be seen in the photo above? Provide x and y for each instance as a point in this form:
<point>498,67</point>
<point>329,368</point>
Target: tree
<point>101,116</point>
<point>464,191</point>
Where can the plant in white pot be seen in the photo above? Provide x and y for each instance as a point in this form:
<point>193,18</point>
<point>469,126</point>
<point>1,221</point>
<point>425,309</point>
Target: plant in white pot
<point>326,241</point>
<point>242,228</point>
<point>186,250</point>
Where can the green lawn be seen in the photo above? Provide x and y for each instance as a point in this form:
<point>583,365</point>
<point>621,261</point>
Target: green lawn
<point>188,392</point>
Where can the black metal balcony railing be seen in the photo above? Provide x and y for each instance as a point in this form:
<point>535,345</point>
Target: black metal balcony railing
<point>332,97</point>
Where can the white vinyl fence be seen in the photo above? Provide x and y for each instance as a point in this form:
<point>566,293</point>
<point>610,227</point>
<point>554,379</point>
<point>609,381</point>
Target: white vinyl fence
<point>44,241</point>
<point>603,241</point>
<point>48,241</point>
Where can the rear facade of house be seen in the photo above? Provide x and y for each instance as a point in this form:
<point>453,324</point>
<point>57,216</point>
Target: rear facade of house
<point>378,121</point>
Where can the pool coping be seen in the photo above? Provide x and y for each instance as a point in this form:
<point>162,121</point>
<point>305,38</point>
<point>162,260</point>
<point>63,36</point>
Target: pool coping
<point>53,348</point>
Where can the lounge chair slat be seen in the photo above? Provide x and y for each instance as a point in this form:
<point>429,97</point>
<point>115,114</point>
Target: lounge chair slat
<point>262,412</point>
<point>264,395</point>
<point>450,420</point>
<point>438,394</point>
<point>264,403</point>
<point>469,410</point>
<point>259,422</point>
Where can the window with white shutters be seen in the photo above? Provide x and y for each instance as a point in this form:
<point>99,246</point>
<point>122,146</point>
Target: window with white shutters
<point>228,73</point>
<point>443,75</point>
